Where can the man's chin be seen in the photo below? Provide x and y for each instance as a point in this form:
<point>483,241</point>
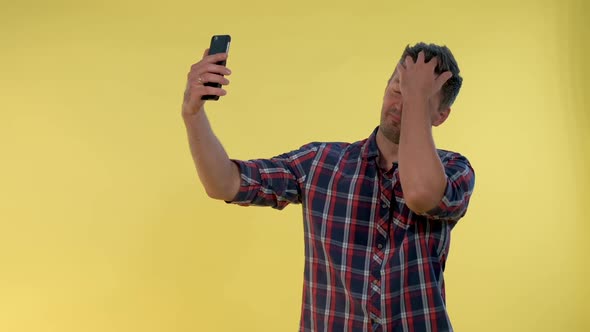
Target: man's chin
<point>390,134</point>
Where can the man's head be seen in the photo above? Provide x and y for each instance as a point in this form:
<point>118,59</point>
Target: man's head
<point>393,100</point>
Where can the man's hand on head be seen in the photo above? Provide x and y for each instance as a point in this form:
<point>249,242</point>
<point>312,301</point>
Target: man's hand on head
<point>418,79</point>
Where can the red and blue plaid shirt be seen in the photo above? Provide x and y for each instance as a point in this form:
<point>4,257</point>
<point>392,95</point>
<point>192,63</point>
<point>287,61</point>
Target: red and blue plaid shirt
<point>371,264</point>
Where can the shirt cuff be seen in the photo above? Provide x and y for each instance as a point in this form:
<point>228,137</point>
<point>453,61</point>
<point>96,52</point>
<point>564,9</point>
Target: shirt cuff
<point>249,183</point>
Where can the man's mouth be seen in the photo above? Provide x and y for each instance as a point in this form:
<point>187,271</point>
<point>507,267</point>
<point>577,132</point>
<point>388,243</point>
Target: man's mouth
<point>395,117</point>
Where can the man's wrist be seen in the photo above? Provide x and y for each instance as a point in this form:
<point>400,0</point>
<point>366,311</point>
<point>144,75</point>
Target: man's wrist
<point>416,101</point>
<point>419,101</point>
<point>190,112</point>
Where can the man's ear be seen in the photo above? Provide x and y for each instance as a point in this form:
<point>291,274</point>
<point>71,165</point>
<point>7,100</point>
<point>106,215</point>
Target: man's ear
<point>441,116</point>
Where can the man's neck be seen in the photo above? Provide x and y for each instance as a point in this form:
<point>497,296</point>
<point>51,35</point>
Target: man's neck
<point>388,151</point>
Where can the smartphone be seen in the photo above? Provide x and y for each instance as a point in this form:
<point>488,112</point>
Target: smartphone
<point>219,44</point>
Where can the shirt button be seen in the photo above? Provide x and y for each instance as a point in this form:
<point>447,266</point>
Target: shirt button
<point>375,282</point>
<point>380,246</point>
<point>384,206</point>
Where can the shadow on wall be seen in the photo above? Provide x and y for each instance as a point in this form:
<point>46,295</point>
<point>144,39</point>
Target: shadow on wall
<point>580,42</point>
<point>579,38</point>
<point>580,85</point>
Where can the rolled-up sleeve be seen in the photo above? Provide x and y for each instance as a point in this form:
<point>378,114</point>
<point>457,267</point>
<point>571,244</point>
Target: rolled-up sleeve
<point>459,187</point>
<point>274,182</point>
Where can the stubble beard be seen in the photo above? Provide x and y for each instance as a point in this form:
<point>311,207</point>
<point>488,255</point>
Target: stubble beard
<point>390,132</point>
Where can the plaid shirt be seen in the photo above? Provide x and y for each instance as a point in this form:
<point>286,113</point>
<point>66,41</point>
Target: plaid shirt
<point>371,264</point>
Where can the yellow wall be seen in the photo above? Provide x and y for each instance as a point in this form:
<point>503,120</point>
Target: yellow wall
<point>105,227</point>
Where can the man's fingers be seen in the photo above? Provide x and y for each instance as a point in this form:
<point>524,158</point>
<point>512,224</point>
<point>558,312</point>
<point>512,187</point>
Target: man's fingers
<point>203,90</point>
<point>217,69</point>
<point>200,69</point>
<point>409,61</point>
<point>420,58</point>
<point>214,78</point>
<point>443,78</point>
<point>199,90</point>
<point>433,61</point>
<point>209,90</point>
<point>215,57</point>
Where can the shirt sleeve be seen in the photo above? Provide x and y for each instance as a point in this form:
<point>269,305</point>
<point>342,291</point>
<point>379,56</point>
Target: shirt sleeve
<point>274,182</point>
<point>459,187</point>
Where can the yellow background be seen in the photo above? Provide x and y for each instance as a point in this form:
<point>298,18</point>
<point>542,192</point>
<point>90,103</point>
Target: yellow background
<point>104,225</point>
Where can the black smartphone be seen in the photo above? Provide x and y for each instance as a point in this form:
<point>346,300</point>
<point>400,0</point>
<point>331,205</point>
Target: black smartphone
<point>219,44</point>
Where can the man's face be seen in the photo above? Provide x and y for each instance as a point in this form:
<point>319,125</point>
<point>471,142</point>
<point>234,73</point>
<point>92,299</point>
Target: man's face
<point>391,111</point>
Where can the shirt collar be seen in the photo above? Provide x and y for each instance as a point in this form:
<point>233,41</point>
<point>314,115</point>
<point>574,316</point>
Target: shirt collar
<point>370,149</point>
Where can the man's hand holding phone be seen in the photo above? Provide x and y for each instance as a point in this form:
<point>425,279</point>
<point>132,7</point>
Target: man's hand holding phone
<point>205,71</point>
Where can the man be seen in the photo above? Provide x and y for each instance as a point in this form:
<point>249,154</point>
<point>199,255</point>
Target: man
<point>377,213</point>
